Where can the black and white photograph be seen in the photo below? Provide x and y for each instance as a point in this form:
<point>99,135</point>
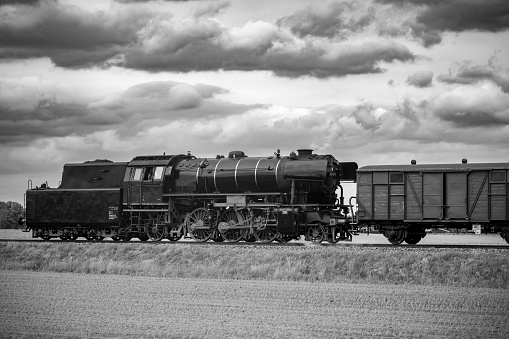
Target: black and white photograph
<point>254,169</point>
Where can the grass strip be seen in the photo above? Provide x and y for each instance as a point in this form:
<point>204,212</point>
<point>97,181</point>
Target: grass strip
<point>445,267</point>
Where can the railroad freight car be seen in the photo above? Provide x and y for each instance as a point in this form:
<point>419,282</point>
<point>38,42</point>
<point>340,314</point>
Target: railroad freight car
<point>403,201</point>
<point>229,198</point>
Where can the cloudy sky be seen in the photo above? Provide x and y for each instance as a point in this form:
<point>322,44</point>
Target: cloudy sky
<point>376,82</point>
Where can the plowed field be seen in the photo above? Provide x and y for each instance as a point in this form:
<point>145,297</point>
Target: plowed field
<point>62,305</point>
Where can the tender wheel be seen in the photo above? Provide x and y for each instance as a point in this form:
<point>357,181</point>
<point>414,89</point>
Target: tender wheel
<point>198,224</point>
<point>155,229</point>
<point>91,234</point>
<point>396,237</point>
<point>315,233</point>
<point>229,223</point>
<point>263,232</point>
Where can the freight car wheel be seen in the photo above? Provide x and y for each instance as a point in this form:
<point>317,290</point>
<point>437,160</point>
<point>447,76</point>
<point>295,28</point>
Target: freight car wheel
<point>198,224</point>
<point>413,239</point>
<point>395,237</point>
<point>315,233</point>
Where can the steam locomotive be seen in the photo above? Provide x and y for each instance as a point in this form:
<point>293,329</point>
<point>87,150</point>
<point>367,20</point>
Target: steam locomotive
<point>265,199</point>
<point>233,198</point>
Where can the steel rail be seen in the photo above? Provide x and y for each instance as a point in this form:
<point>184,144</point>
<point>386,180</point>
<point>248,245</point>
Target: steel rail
<point>283,244</point>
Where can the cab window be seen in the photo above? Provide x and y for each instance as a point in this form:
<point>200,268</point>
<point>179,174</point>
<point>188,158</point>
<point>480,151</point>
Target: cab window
<point>137,173</point>
<point>148,174</point>
<point>158,173</point>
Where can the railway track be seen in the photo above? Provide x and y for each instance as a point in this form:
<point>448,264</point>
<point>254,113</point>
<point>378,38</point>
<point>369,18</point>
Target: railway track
<point>251,244</point>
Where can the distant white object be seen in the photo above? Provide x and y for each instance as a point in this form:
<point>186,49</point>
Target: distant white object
<point>476,228</point>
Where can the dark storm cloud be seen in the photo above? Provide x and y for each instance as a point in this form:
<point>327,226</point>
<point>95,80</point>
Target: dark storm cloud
<point>462,15</point>
<point>205,49</point>
<point>469,75</point>
<point>473,118</point>
<point>423,20</point>
<point>20,2</point>
<point>435,17</point>
<point>420,79</point>
<point>45,114</point>
<point>136,38</point>
<point>329,21</point>
<point>142,1</point>
<point>68,35</point>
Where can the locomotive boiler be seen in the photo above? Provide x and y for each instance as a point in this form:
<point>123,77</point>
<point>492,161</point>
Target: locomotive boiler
<point>229,198</point>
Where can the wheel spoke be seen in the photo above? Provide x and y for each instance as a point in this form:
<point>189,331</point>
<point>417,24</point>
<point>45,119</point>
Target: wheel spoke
<point>230,226</point>
<point>315,233</point>
<point>198,224</point>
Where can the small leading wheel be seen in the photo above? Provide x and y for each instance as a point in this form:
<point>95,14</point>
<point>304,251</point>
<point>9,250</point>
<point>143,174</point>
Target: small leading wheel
<point>198,224</point>
<point>315,233</point>
<point>155,229</point>
<point>396,236</point>
<point>230,222</point>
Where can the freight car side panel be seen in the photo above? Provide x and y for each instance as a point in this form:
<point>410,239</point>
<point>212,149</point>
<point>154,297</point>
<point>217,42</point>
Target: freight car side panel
<point>498,189</point>
<point>365,195</point>
<point>413,183</point>
<point>478,203</point>
<point>465,195</point>
<point>71,207</point>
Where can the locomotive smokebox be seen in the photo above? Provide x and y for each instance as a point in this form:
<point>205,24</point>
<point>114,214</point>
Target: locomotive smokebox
<point>304,152</point>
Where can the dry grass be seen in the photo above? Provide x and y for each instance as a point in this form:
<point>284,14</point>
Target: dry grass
<point>63,305</point>
<point>487,268</point>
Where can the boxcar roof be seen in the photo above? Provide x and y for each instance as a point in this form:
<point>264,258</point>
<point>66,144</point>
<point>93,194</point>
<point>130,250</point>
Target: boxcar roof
<point>436,167</point>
